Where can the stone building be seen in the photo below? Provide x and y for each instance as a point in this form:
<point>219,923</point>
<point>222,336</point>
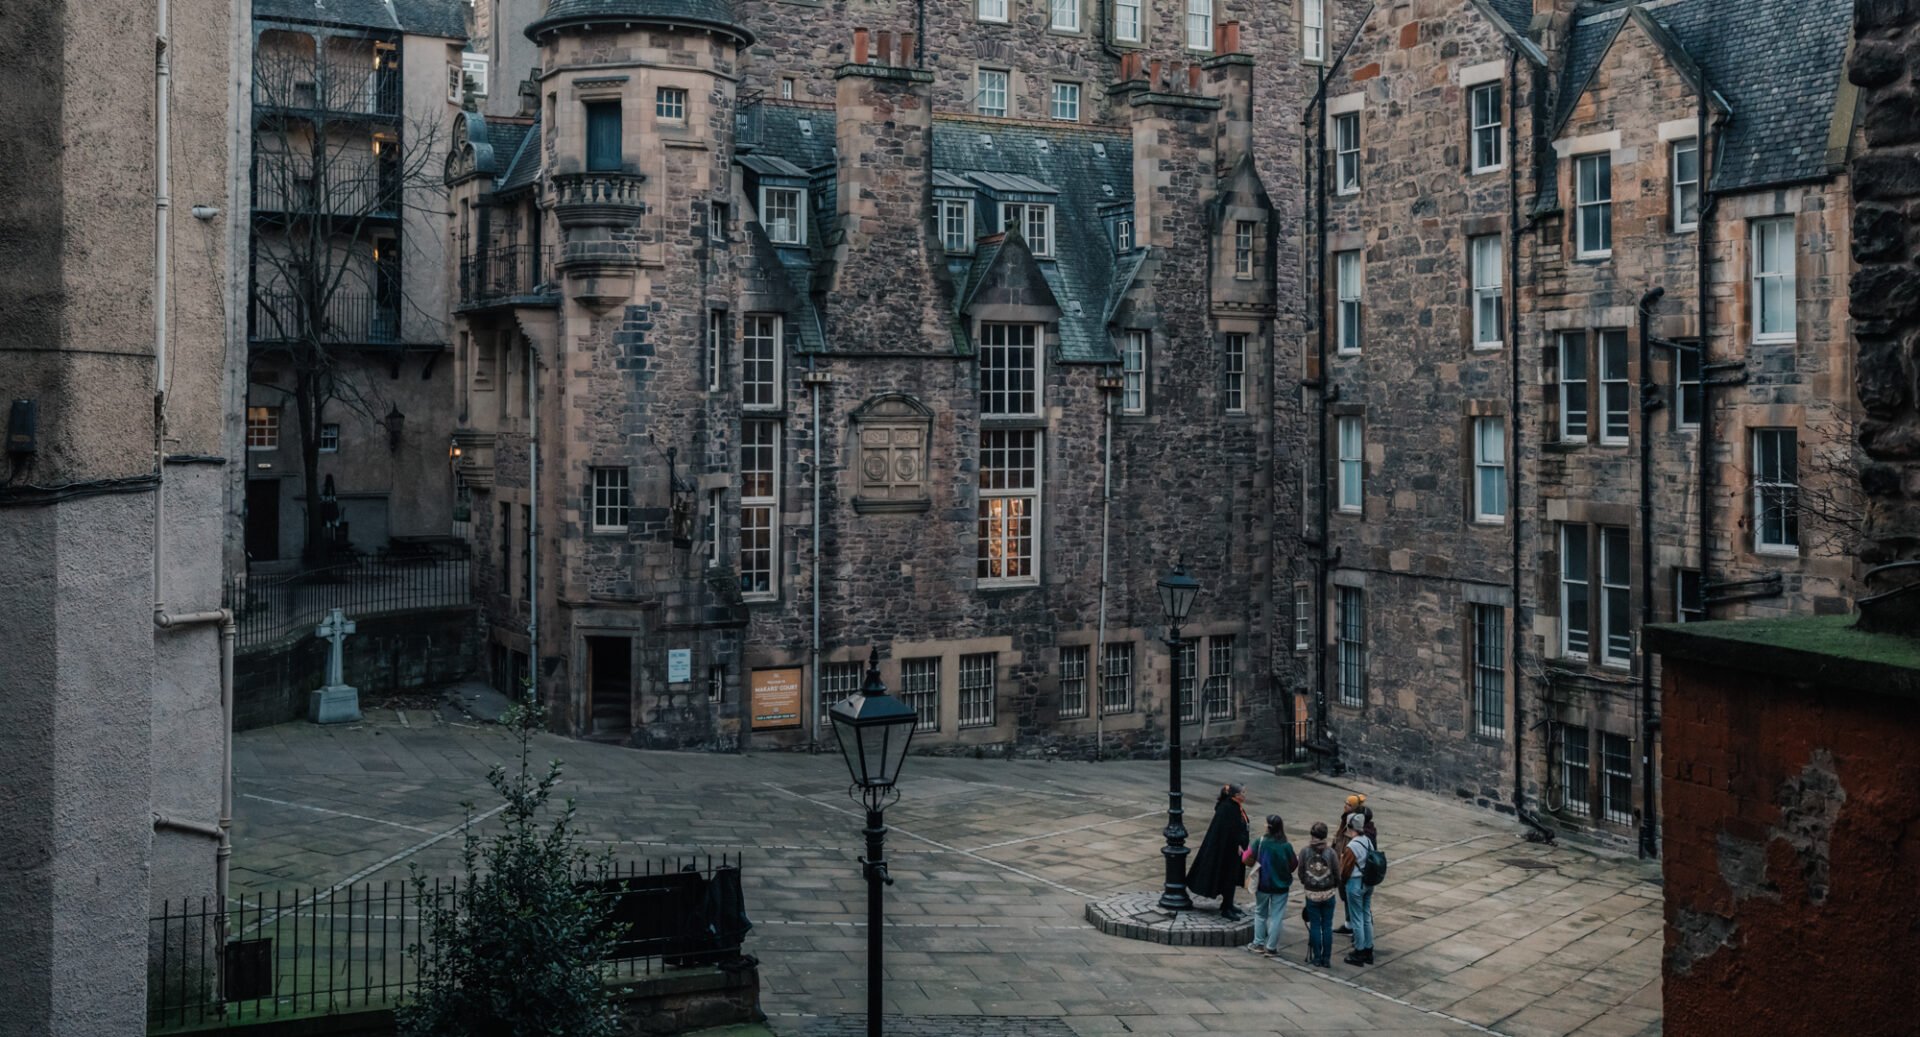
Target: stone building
<point>1519,464</point>
<point>353,107</point>
<point>782,339</point>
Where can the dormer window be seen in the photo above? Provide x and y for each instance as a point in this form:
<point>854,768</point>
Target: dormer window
<point>1123,234</point>
<point>1034,221</point>
<point>783,212</point>
<point>956,224</point>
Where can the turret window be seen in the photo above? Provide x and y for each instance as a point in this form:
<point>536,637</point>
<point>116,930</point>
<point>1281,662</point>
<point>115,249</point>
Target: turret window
<point>603,136</point>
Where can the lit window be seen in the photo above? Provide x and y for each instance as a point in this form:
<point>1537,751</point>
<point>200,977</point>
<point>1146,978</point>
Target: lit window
<point>611,499</point>
<point>956,224</point>
<point>1009,369</point>
<point>1123,234</point>
<point>838,683</point>
<point>1126,21</point>
<point>1008,531</point>
<point>329,438</point>
<point>1073,681</point>
<point>1773,279</point>
<point>1217,699</point>
<point>1034,222</point>
<point>1116,678</point>
<point>1183,669</point>
<point>1573,387</point>
<point>1776,491</point>
<point>670,103</point>
<point>1489,470</point>
<point>1593,195</point>
<point>992,97</point>
<point>1346,153</point>
<point>1575,792</point>
<point>1686,184</point>
<point>991,10</point>
<point>1313,30</point>
<point>1234,385</point>
<point>1576,606</point>
<point>603,136</point>
<point>783,213</point>
<point>1489,670</point>
<point>1066,15</point>
<point>1351,647</point>
<point>1133,373</point>
<point>920,690</point>
<point>1302,617</point>
<point>1352,467</point>
<point>1616,764</point>
<point>1616,588</point>
<point>1346,274</point>
<point>1199,24</point>
<point>716,347</point>
<point>263,428</point>
<point>1616,397</point>
<point>1066,102</point>
<point>977,690</point>
<point>1692,396</point>
<point>1243,249</point>
<point>1689,597</point>
<point>1483,105</point>
<point>1488,289</point>
<point>760,361</point>
<point>759,489</point>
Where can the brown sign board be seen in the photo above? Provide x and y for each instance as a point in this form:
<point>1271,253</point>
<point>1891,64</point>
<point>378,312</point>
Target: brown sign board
<point>776,699</point>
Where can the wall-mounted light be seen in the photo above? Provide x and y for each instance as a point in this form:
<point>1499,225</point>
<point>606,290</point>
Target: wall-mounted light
<point>205,212</point>
<point>395,422</point>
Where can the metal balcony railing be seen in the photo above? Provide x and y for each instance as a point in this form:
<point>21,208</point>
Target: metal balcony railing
<point>339,87</point>
<point>339,186</point>
<point>508,272</point>
<point>347,318</point>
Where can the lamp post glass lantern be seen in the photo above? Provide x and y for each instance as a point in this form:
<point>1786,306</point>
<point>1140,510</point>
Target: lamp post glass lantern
<point>1177,591</point>
<point>874,730</point>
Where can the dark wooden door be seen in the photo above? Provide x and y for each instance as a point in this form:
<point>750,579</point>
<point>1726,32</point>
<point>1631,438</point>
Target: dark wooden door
<point>263,520</point>
<point>610,684</point>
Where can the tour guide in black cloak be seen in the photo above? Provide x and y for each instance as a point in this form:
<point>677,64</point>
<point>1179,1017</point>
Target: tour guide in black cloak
<point>1217,870</point>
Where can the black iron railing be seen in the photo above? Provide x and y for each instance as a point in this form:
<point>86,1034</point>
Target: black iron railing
<point>353,186</point>
<point>328,950</point>
<point>344,318</point>
<point>273,609</point>
<point>508,272</point>
<point>341,87</point>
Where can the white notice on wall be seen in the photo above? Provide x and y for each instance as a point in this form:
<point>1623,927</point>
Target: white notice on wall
<point>679,665</point>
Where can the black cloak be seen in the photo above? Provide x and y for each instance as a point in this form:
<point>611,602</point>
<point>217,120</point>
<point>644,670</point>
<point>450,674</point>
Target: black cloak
<point>1217,868</point>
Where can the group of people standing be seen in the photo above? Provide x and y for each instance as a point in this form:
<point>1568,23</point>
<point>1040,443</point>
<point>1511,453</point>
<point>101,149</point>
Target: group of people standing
<point>1348,866</point>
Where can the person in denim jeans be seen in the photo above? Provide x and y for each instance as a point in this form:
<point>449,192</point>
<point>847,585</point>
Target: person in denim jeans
<point>1275,858</point>
<point>1320,878</point>
<point>1359,894</point>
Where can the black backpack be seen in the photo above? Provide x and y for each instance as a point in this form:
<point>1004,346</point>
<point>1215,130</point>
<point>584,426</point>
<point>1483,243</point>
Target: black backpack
<point>1374,868</point>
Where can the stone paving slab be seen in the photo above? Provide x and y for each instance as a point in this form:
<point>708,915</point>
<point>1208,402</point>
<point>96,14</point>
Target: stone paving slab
<point>995,861</point>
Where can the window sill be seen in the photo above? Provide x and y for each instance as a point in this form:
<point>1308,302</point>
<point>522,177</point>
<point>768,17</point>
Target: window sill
<point>1617,665</point>
<point>1688,229</point>
<point>1055,30</point>
<point>1355,512</point>
<point>1345,192</point>
<point>603,531</point>
<point>761,598</point>
<point>1489,347</point>
<point>1489,523</point>
<point>1775,340</point>
<point>1501,168</point>
<point>1777,551</point>
<point>1593,257</point>
<point>1013,421</point>
<point>997,586</point>
<point>1346,352</point>
<point>1615,442</point>
<point>1563,446</point>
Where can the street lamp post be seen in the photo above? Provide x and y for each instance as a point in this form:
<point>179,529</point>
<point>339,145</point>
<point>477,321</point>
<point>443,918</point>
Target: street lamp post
<point>1177,591</point>
<point>874,730</point>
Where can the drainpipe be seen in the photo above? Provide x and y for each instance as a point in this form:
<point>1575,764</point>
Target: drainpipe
<point>813,397</point>
<point>1096,693</point>
<point>221,832</point>
<point>1649,403</point>
<point>533,530</point>
<point>1703,231</point>
<point>1515,422</point>
<point>162,210</point>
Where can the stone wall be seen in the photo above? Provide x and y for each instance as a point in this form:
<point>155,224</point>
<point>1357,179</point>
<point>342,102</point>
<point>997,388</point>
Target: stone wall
<point>388,655</point>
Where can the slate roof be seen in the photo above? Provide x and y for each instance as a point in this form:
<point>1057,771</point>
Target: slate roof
<point>521,165</point>
<point>1518,13</point>
<point>1777,63</point>
<point>443,18</point>
<point>715,14</point>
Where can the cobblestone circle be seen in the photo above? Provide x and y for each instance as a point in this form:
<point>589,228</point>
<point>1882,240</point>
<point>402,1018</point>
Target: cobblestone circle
<point>924,1026</point>
<point>1139,916</point>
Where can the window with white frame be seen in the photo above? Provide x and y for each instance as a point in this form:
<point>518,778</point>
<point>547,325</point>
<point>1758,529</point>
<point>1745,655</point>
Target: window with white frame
<point>1073,681</point>
<point>1616,396</point>
<point>716,500</point>
<point>1346,153</point>
<point>956,224</point>
<point>1199,24</point>
<point>1217,699</point>
<point>1313,30</point>
<point>1034,221</point>
<point>920,690</point>
<point>1133,373</point>
<point>760,361</point>
<point>1009,369</point>
<point>1352,470</point>
<point>1066,102</point>
<point>612,497</point>
<point>716,683</point>
<point>991,98</point>
<point>1691,396</point>
<point>1126,21</point>
<point>759,506</point>
<point>1576,793</point>
<point>1233,386</point>
<point>1773,309</point>
<point>1593,202</point>
<point>330,438</point>
<point>263,428</point>
<point>1066,15</point>
<point>991,10</point>
<point>1116,677</point>
<point>1303,617</point>
<point>1776,491</point>
<point>1689,596</point>
<point>1346,277</point>
<point>1489,280</point>
<point>716,347</point>
<point>1616,767</point>
<point>1489,670</point>
<point>1123,234</point>
<point>1485,122</point>
<point>1686,184</point>
<point>977,690</point>
<point>1489,470</point>
<point>838,683</point>
<point>670,103</point>
<point>1184,665</point>
<point>1616,595</point>
<point>1243,231</point>
<point>786,88</point>
<point>1573,387</point>
<point>1009,507</point>
<point>783,213</point>
<point>1576,591</point>
<point>1350,647</point>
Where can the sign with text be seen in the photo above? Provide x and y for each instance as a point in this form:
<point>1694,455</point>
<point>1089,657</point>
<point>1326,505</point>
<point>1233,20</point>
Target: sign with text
<point>776,699</point>
<point>679,665</point>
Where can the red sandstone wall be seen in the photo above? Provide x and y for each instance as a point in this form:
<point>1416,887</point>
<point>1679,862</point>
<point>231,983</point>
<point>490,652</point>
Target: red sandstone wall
<point>1792,820</point>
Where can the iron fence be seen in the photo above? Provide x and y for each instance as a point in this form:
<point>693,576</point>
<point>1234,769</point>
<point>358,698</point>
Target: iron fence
<point>348,318</point>
<point>272,609</point>
<point>510,271</point>
<point>328,950</point>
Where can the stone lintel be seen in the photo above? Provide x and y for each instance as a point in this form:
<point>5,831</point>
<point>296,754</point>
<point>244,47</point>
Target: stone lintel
<point>894,72</point>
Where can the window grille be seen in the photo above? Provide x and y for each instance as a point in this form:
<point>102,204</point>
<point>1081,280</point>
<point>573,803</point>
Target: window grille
<point>1616,763</point>
<point>977,690</point>
<point>611,500</point>
<point>1575,771</point>
<point>1489,670</point>
<point>1352,647</point>
<point>1116,678</point>
<point>920,690</point>
<point>1073,681</point>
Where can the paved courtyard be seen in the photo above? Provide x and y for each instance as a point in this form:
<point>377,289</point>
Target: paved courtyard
<point>1479,931</point>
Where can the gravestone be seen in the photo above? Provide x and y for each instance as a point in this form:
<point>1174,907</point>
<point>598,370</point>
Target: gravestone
<point>337,702</point>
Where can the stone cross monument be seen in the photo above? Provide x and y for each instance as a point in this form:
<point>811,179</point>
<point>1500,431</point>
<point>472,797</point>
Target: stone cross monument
<point>337,702</point>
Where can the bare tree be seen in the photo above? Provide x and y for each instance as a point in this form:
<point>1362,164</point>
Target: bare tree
<point>337,170</point>
<point>1835,512</point>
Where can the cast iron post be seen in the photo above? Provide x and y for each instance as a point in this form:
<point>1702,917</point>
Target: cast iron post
<point>1174,896</point>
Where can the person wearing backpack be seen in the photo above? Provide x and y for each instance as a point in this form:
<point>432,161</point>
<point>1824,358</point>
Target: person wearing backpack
<point>1320,878</point>
<point>1273,861</point>
<point>1356,861</point>
<point>1356,803</point>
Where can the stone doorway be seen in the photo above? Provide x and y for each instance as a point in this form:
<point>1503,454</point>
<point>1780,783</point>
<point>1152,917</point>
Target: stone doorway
<point>609,685</point>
